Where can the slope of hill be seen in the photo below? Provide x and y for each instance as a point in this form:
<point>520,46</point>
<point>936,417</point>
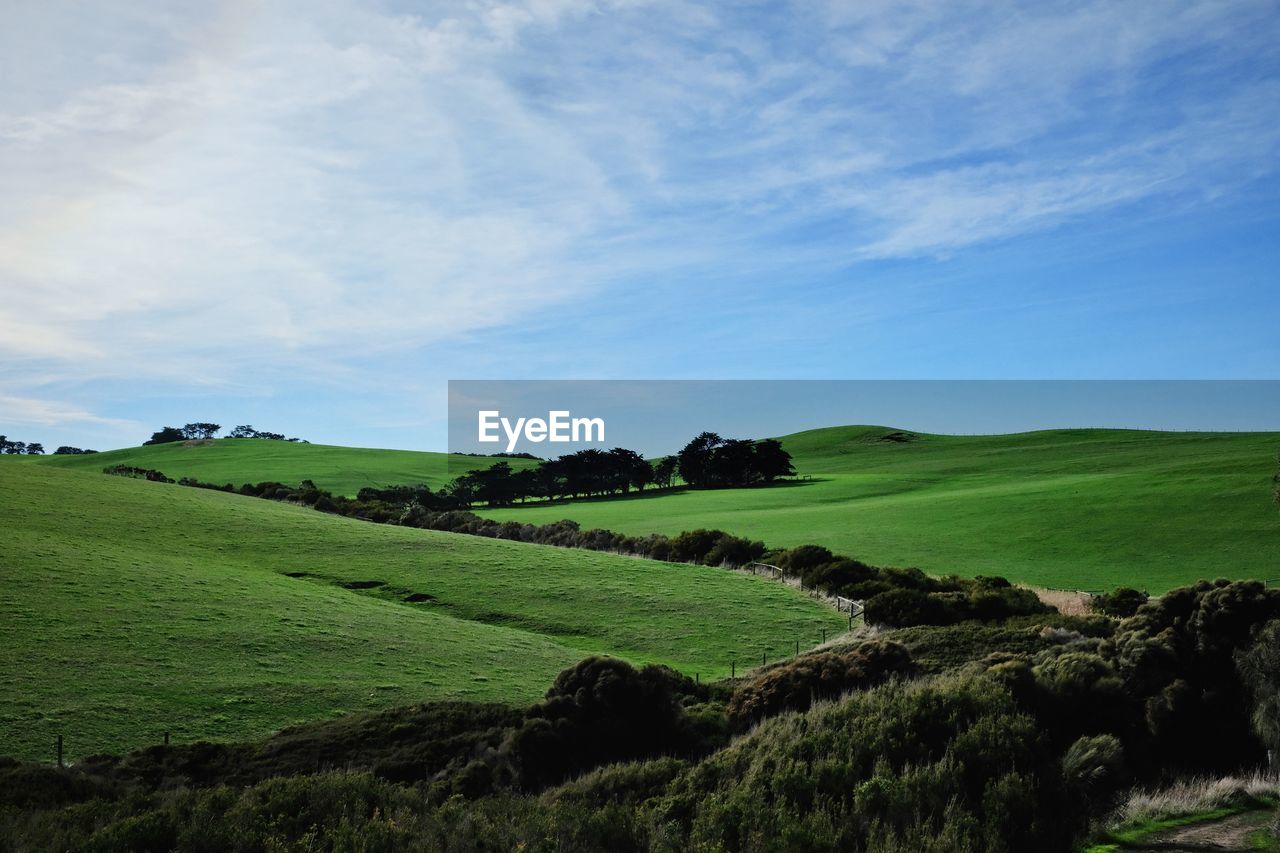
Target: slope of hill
<point>133,608</point>
<point>341,470</point>
<point>1085,509</point>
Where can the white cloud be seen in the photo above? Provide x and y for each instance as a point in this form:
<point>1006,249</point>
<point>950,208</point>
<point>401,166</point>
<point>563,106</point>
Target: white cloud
<point>29,411</point>
<point>190,191</point>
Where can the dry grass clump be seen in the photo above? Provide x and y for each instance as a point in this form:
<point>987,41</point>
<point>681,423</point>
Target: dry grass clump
<point>1197,794</point>
<point>1069,602</point>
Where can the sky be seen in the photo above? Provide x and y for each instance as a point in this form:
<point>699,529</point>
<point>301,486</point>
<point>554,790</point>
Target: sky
<point>308,216</point>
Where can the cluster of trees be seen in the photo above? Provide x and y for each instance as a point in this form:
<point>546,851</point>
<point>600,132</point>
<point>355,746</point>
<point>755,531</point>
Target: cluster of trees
<point>35,448</point>
<point>247,431</point>
<point>710,461</point>
<point>18,448</point>
<point>164,435</point>
<point>206,430</point>
<point>707,461</point>
<point>586,473</point>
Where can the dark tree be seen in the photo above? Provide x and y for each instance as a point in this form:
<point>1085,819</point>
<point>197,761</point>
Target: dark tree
<point>626,469</point>
<point>35,448</point>
<point>695,459</point>
<point>200,430</point>
<point>665,471</point>
<point>771,461</point>
<point>15,448</point>
<point>731,463</point>
<point>495,486</point>
<point>166,435</point>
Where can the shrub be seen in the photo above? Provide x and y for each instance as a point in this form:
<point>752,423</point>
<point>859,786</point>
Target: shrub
<point>1094,768</point>
<point>733,551</point>
<point>1177,656</point>
<point>901,608</point>
<point>599,711</point>
<point>932,765</point>
<point>692,546</point>
<point>1120,603</point>
<point>797,684</point>
<point>803,558</point>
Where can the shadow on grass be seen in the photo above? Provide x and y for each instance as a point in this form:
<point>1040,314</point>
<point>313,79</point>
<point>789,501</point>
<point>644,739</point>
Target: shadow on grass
<point>661,493</point>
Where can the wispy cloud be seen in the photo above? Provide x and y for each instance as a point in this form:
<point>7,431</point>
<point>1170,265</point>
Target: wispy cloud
<point>191,192</point>
<point>27,411</point>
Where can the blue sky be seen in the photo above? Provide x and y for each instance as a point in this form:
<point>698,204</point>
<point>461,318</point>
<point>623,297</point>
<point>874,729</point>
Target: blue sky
<point>309,216</point>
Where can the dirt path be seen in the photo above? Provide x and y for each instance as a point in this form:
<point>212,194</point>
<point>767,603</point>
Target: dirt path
<point>1228,834</point>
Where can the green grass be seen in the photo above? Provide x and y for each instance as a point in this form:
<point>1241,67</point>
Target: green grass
<point>1082,509</point>
<point>131,608</point>
<point>341,470</point>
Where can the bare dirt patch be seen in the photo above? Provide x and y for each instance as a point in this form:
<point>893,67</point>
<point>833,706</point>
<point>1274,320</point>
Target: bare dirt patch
<point>1232,833</point>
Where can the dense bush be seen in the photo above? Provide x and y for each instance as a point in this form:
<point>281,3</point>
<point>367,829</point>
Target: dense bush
<point>600,711</point>
<point>1080,693</point>
<point>1121,602</point>
<point>1260,670</point>
<point>944,765</point>
<point>1177,657</point>
<point>137,473</point>
<point>798,683</point>
<point>1094,769</point>
<point>943,648</point>
<point>917,601</point>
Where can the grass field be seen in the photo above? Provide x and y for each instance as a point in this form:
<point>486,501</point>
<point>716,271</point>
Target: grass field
<point>131,608</point>
<point>1082,509</point>
<point>341,470</point>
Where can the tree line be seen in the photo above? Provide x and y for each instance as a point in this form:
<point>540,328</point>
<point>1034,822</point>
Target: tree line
<point>205,430</point>
<point>35,448</point>
<point>708,461</point>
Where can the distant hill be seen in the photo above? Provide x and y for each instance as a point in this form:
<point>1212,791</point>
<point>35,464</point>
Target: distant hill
<point>341,470</point>
<point>1087,509</point>
<point>133,608</point>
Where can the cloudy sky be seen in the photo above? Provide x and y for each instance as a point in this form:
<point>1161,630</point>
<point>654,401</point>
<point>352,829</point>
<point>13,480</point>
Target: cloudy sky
<point>307,216</point>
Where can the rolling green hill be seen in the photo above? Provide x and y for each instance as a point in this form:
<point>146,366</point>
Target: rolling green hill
<point>130,608</point>
<point>341,470</point>
<point>1083,509</point>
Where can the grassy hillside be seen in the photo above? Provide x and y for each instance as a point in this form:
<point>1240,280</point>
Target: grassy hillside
<point>131,608</point>
<point>1072,508</point>
<point>341,470</point>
